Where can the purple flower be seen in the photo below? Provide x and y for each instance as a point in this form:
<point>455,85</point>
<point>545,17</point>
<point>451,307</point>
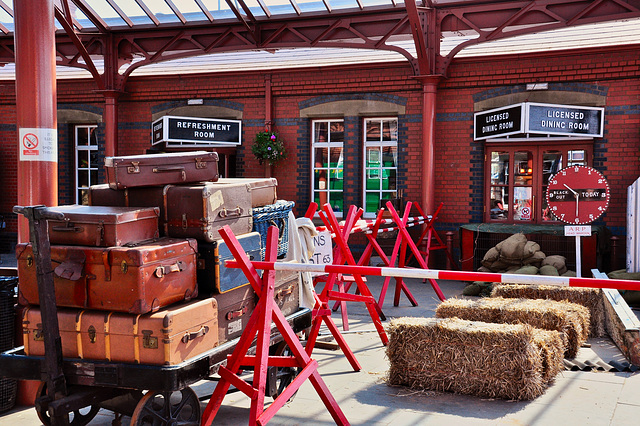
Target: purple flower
<point>273,137</point>
<point>269,148</point>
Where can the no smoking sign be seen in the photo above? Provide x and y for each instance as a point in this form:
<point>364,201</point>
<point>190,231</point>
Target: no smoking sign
<point>30,143</point>
<point>38,144</point>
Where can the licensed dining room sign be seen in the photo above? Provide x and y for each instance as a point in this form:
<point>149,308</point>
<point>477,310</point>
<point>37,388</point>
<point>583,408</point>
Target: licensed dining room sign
<point>538,118</point>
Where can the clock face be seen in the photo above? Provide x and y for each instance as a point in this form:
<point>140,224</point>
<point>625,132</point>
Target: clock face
<point>578,194</point>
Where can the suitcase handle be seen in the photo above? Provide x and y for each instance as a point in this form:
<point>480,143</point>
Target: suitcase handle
<point>228,212</point>
<point>161,271</point>
<point>194,335</point>
<point>237,314</point>
<point>70,228</point>
<point>180,169</point>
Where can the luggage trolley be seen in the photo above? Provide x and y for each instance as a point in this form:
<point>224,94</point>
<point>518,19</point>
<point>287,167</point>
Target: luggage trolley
<point>74,390</point>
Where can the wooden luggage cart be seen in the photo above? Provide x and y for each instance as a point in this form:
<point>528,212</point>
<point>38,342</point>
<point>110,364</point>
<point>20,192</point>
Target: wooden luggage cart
<point>74,390</point>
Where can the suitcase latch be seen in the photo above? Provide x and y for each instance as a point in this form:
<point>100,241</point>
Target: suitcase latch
<point>134,167</point>
<point>237,314</point>
<point>38,334</point>
<point>283,294</point>
<point>161,271</point>
<point>148,341</point>
<point>92,334</point>
<point>200,163</point>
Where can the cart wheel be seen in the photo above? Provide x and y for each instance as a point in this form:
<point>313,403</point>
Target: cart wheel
<point>168,408</point>
<point>283,375</point>
<point>79,417</point>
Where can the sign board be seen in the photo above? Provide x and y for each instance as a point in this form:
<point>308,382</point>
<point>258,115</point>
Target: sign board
<point>37,144</point>
<point>498,122</point>
<point>537,118</point>
<point>323,253</point>
<point>193,132</point>
<point>551,119</point>
<point>577,231</point>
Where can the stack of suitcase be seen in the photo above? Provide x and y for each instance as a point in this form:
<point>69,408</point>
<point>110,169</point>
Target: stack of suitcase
<point>139,274</point>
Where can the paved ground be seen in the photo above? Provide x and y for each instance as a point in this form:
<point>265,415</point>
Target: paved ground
<point>576,397</point>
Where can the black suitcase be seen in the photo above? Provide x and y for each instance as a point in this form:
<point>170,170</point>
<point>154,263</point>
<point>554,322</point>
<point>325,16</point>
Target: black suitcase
<point>213,275</point>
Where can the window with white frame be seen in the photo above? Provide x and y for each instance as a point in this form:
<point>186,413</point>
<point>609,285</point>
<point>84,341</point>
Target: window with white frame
<point>380,162</point>
<point>86,150</point>
<point>327,160</point>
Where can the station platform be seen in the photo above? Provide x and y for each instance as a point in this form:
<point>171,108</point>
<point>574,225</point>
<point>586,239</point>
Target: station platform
<point>577,397</point>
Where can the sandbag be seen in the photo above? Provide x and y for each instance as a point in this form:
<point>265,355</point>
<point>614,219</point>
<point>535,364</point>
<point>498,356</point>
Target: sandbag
<point>549,270</point>
<point>557,261</point>
<point>513,247</point>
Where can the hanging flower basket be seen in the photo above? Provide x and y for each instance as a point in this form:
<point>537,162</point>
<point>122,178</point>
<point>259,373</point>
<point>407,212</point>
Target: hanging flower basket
<point>268,148</point>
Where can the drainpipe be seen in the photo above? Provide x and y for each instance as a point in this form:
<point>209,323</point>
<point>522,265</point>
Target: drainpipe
<point>429,90</point>
<point>36,106</point>
<point>268,103</point>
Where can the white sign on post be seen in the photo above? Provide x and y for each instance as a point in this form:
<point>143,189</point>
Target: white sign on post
<point>578,231</point>
<point>38,144</point>
<point>323,254</point>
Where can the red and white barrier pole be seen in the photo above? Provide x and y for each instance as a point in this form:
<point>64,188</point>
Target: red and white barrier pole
<point>448,275</point>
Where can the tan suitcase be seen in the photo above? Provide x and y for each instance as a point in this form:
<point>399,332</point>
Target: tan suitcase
<point>263,190</point>
<point>166,337</point>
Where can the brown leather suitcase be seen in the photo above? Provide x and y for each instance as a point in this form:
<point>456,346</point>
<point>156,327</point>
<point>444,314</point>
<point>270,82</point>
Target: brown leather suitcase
<point>161,169</point>
<point>103,226</point>
<point>263,190</point>
<point>287,291</point>
<point>188,211</point>
<point>166,337</point>
<point>200,210</point>
<point>234,310</point>
<point>135,280</point>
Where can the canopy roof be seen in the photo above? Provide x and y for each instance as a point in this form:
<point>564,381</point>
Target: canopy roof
<point>127,35</point>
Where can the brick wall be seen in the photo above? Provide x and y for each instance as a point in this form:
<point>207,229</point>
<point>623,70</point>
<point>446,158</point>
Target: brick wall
<point>459,160</point>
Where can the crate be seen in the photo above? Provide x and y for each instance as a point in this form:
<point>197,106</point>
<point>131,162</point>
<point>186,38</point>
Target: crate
<point>8,387</point>
<point>273,215</point>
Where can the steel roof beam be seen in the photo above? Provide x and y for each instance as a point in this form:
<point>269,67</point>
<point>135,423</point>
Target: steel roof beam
<point>204,10</point>
<point>148,12</point>
<point>121,13</point>
<point>68,27</point>
<point>176,11</point>
<point>91,14</point>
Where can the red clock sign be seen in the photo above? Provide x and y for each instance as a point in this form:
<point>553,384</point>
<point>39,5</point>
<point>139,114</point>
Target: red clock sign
<point>578,195</point>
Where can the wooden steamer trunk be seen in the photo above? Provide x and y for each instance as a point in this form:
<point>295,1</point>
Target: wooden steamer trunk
<point>136,279</point>
<point>166,337</point>
<point>161,169</point>
<point>103,226</point>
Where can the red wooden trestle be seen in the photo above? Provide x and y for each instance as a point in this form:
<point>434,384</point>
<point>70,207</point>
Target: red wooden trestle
<point>404,240</point>
<point>259,326</point>
<point>428,234</point>
<point>343,254</point>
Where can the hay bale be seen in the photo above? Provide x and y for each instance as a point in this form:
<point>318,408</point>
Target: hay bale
<point>568,318</point>
<point>473,358</point>
<point>591,298</point>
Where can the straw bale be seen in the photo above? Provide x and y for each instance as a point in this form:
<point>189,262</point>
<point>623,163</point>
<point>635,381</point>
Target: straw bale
<point>591,298</point>
<point>510,361</point>
<point>568,318</point>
